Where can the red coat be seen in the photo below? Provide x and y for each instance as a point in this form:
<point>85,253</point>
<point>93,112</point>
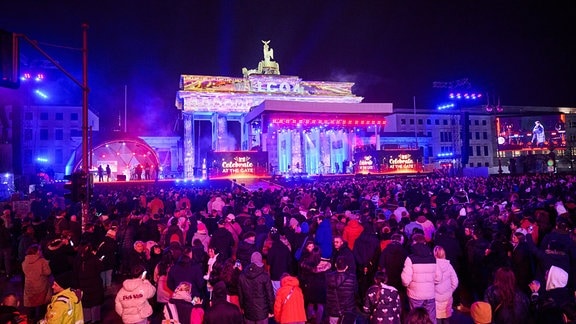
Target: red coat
<point>289,309</point>
<point>352,231</point>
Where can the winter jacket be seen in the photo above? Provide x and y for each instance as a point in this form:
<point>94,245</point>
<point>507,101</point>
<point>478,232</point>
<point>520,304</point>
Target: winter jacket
<point>244,252</point>
<point>323,238</point>
<point>223,241</point>
<point>446,283</point>
<point>516,312</point>
<point>65,308</point>
<point>107,249</point>
<point>87,272</point>
<point>340,293</point>
<point>256,293</point>
<point>392,260</point>
<point>204,238</point>
<point>313,281</point>
<point>221,311</point>
<point>346,253</point>
<point>60,256</point>
<point>420,273</point>
<point>279,259</point>
<point>289,303</point>
<point>351,232</point>
<point>131,302</point>
<point>37,289</point>
<point>183,309</point>
<point>383,304</point>
<point>186,270</point>
<point>367,250</point>
<point>554,300</point>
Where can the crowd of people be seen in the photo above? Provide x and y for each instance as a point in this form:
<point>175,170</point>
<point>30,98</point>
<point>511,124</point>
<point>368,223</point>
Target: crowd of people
<point>389,250</point>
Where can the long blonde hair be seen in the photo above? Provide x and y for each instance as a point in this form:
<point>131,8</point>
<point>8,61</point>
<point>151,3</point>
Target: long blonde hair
<point>439,252</point>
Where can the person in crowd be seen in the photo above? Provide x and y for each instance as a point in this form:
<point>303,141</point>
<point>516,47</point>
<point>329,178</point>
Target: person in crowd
<point>87,269</point>
<point>137,255</point>
<point>549,304</point>
<point>246,247</point>
<point>312,274</point>
<point>341,249</point>
<point>9,312</point>
<point>222,240</point>
<point>279,259</point>
<point>220,310</point>
<point>5,249</point>
<point>323,237</point>
<point>131,301</point>
<point>163,293</point>
<point>352,229</point>
<point>230,274</point>
<point>173,233</point>
<point>185,270</point>
<point>341,289</point>
<point>446,284</point>
<point>256,293</point>
<point>418,315</point>
<point>66,304</point>
<point>37,292</point>
<point>179,306</point>
<point>214,256</point>
<point>106,253</point>
<point>26,240</point>
<point>289,303</point>
<point>382,302</point>
<point>392,261</point>
<point>366,254</point>
<point>521,261</point>
<point>475,255</point>
<point>420,275</point>
<point>202,235</point>
<point>508,303</point>
<point>60,254</point>
<point>233,227</point>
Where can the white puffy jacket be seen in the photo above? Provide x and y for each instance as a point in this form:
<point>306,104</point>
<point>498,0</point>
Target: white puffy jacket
<point>132,300</point>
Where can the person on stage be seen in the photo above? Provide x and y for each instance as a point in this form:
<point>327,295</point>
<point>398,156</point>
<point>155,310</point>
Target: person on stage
<point>538,134</point>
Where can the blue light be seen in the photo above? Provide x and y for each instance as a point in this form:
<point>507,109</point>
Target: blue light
<point>40,94</point>
<point>447,154</point>
<point>446,106</point>
<point>41,159</point>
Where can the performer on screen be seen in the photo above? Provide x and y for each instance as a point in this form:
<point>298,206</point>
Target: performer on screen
<point>538,134</point>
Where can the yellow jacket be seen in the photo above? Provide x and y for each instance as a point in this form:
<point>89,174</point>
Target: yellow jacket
<point>65,308</point>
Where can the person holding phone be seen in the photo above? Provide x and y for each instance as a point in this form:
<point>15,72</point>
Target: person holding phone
<point>131,302</point>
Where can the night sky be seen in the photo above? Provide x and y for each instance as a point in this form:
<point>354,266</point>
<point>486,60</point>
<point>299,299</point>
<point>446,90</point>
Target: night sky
<point>521,51</point>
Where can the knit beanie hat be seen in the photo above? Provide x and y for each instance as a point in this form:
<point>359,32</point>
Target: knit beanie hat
<point>256,258</point>
<point>64,280</point>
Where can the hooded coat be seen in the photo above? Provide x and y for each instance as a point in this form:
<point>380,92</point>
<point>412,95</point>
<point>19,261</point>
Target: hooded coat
<point>188,271</point>
<point>548,306</point>
<point>222,311</point>
<point>289,303</point>
<point>446,283</point>
<point>37,290</point>
<point>65,308</point>
<point>256,293</point>
<point>351,232</point>
<point>131,302</point>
